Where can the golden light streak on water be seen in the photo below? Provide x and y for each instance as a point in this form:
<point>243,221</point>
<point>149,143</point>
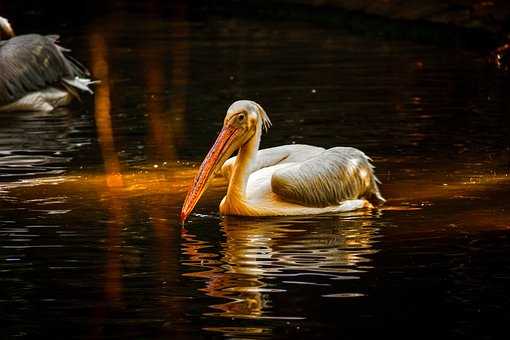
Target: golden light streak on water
<point>427,189</point>
<point>116,207</point>
<point>100,69</point>
<point>172,182</point>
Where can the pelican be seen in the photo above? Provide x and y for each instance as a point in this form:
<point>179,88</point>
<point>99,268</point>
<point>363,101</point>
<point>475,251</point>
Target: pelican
<point>35,75</point>
<point>284,180</point>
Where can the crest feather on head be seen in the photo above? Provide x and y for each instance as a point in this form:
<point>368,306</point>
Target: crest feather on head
<point>266,122</point>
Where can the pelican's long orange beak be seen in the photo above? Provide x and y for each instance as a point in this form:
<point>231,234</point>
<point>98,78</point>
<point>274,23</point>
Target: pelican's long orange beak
<point>207,168</point>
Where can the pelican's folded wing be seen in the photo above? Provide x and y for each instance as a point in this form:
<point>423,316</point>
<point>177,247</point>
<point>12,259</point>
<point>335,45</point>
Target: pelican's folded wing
<point>333,176</point>
<point>277,155</point>
<point>32,62</point>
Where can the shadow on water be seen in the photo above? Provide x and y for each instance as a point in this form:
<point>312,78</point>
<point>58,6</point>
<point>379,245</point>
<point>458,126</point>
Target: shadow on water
<point>90,245</point>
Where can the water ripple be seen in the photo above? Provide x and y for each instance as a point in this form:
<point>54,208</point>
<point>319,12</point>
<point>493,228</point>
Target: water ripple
<point>258,256</point>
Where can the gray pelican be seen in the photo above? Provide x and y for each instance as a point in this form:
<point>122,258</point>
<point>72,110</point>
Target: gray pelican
<point>284,180</point>
<point>35,75</point>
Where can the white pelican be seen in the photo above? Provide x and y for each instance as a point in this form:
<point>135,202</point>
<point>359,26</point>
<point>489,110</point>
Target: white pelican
<point>284,180</point>
<point>34,73</point>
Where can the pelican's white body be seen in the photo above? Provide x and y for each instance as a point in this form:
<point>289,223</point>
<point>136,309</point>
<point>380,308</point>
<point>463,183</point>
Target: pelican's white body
<point>250,173</point>
<point>45,100</point>
<point>260,200</point>
<point>285,180</point>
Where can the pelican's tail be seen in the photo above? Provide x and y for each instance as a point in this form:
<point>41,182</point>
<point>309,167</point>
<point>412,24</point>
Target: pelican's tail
<point>72,84</point>
<point>374,195</point>
<point>76,74</point>
<point>376,198</point>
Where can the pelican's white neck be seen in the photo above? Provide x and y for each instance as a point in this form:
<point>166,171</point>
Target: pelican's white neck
<point>243,167</point>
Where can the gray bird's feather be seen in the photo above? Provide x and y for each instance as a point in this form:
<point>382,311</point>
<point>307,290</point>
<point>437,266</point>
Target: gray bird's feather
<point>277,155</point>
<point>333,176</point>
<point>33,62</point>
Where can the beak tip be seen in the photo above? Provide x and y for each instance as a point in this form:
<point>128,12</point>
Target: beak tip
<point>183,216</point>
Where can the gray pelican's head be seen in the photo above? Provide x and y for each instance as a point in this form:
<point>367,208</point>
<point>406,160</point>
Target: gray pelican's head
<point>243,120</point>
<point>6,31</point>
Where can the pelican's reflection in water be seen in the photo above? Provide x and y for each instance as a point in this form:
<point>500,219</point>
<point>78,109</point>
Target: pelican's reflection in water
<point>262,257</point>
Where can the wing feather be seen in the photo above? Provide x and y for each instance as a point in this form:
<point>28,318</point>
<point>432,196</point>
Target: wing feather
<point>32,62</point>
<point>333,176</point>
<point>276,155</point>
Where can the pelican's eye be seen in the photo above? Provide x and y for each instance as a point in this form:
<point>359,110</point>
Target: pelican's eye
<point>241,117</point>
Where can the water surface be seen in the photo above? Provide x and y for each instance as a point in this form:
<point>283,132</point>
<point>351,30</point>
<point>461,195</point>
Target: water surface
<point>90,244</point>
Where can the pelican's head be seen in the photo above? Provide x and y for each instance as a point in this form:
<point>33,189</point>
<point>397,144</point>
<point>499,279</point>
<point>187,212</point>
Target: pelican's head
<point>243,121</point>
<point>6,31</point>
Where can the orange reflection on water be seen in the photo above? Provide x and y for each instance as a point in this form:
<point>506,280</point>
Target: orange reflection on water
<point>102,111</point>
<point>114,182</point>
<point>256,250</point>
<point>248,303</point>
<point>430,189</point>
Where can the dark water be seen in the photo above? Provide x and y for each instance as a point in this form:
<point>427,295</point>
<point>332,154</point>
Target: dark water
<point>90,244</point>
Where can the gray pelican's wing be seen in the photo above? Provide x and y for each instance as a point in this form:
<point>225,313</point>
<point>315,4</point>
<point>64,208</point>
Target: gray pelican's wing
<point>333,176</point>
<point>277,155</point>
<point>32,62</point>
